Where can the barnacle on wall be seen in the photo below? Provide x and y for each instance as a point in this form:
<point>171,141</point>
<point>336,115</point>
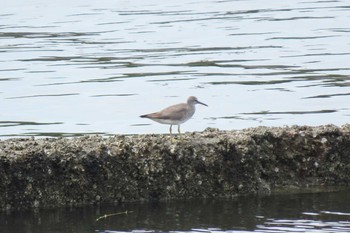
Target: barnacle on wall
<point>93,169</point>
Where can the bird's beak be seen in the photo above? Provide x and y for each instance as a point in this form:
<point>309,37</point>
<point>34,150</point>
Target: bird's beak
<point>198,102</point>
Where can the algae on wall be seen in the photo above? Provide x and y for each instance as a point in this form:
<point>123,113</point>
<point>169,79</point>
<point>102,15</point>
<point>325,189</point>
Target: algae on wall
<point>211,164</point>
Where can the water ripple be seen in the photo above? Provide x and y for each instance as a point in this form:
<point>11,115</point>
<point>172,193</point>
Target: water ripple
<point>239,56</point>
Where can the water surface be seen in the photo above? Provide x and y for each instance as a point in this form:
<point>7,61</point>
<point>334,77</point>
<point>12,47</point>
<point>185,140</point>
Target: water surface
<point>76,67</point>
<point>304,212</point>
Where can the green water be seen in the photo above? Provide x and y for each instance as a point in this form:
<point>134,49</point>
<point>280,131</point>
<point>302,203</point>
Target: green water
<point>307,212</point>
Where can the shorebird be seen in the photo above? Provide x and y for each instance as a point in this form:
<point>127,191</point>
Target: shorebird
<point>175,114</point>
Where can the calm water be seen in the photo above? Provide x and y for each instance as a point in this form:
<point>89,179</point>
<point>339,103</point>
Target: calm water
<point>308,212</point>
<point>78,67</point>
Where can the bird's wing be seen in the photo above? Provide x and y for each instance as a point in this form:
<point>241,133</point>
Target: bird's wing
<point>174,112</point>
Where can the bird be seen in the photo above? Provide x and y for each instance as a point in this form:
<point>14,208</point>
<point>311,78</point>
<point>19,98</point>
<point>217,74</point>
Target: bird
<point>175,114</point>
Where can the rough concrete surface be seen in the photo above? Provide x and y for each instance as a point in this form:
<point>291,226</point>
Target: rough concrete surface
<point>50,172</point>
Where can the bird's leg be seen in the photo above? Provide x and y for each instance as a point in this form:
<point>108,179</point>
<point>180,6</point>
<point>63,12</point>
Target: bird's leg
<point>170,129</point>
<point>178,128</point>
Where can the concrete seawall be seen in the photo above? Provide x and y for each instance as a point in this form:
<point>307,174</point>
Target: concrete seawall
<point>53,172</point>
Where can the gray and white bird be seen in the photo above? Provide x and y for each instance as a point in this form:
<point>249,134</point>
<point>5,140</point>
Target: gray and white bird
<point>175,114</point>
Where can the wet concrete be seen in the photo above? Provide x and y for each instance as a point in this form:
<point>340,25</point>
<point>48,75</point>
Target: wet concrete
<point>51,172</point>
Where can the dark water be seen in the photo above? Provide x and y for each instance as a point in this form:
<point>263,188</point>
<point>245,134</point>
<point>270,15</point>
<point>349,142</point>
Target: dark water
<point>307,212</point>
<point>86,67</point>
